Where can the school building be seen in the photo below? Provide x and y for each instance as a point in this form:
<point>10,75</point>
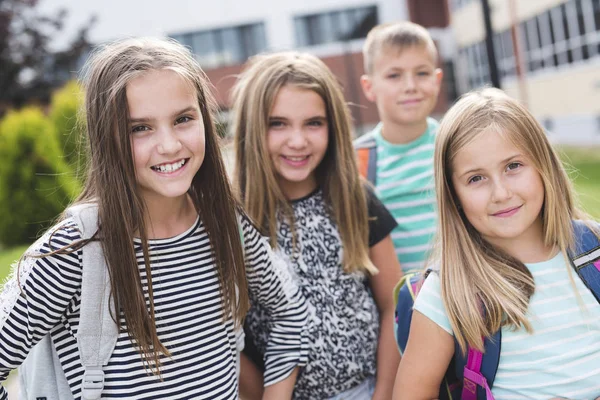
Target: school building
<point>548,55</point>
<point>224,33</point>
<point>334,30</point>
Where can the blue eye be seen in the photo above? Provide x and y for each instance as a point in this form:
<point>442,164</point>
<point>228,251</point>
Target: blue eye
<point>423,73</point>
<point>393,76</point>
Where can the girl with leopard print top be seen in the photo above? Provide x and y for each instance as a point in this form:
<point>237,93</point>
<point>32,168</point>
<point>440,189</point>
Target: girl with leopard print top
<point>297,176</point>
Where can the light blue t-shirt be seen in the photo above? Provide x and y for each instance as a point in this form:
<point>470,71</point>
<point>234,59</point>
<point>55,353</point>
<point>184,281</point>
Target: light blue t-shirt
<point>405,186</point>
<point>561,358</point>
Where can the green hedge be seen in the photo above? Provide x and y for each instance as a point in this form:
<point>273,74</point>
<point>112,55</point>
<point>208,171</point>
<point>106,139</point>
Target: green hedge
<point>35,181</point>
<point>69,126</point>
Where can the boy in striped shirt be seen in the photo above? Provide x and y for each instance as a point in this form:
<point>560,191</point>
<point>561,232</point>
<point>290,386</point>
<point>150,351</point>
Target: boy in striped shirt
<point>402,79</point>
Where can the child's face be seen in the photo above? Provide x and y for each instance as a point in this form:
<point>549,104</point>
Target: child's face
<point>404,85</point>
<point>167,133</point>
<point>500,191</point>
<point>297,139</point>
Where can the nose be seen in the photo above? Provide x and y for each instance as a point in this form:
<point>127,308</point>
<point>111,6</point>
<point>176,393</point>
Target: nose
<point>501,191</point>
<point>297,139</point>
<point>409,82</point>
<point>168,142</point>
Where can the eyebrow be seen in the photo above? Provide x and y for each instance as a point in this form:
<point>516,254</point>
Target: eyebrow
<point>316,117</point>
<point>144,119</point>
<point>480,169</point>
<point>417,67</point>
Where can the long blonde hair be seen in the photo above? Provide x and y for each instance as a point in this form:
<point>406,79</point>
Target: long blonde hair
<point>476,276</point>
<point>337,174</point>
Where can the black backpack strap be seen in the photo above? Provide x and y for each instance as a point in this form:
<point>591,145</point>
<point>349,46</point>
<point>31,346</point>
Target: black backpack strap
<point>585,259</point>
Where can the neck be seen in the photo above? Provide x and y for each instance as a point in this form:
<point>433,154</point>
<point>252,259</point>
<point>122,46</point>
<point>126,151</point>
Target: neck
<point>168,218</point>
<point>402,133</point>
<point>529,248</point>
<point>293,191</point>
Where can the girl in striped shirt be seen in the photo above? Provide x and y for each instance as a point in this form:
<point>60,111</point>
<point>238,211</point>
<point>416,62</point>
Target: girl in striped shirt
<point>506,207</point>
<point>169,227</point>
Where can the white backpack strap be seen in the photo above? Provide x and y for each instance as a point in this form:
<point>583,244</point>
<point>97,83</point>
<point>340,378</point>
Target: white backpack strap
<point>97,333</point>
<point>240,337</point>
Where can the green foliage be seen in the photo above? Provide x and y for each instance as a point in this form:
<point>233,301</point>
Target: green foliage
<point>64,108</point>
<point>583,165</point>
<point>35,182</point>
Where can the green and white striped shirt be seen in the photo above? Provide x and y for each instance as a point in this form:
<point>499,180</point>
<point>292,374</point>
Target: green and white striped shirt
<point>405,186</point>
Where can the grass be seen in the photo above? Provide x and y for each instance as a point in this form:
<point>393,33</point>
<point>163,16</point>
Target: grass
<point>583,165</point>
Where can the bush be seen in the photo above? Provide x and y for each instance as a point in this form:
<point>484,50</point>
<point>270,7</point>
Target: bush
<point>35,182</point>
<point>70,130</point>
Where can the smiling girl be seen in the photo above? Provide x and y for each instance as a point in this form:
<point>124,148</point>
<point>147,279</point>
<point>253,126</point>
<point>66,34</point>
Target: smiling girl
<point>507,229</point>
<point>169,230</point>
<point>297,176</point>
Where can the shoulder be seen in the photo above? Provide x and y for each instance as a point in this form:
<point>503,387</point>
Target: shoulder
<point>375,206</point>
<point>52,261</point>
<point>432,128</point>
<point>429,302</point>
<point>368,140</point>
<point>61,236</point>
<point>254,243</point>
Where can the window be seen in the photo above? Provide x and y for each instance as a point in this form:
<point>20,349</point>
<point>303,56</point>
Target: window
<point>564,34</point>
<point>315,29</point>
<point>456,4</point>
<point>225,46</point>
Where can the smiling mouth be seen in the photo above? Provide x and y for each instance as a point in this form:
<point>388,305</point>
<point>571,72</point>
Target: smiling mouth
<point>507,212</point>
<point>296,158</point>
<point>412,101</point>
<point>170,167</point>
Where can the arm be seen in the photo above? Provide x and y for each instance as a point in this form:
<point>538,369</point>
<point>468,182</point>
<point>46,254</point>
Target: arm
<point>251,379</point>
<point>282,389</point>
<point>49,286</point>
<point>382,285</point>
<point>425,361</point>
<point>272,286</point>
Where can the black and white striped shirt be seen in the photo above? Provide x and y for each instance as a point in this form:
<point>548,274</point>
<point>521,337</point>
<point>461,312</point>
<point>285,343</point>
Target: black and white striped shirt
<point>188,313</point>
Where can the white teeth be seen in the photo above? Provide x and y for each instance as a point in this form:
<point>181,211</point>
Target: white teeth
<point>169,167</point>
<point>296,158</point>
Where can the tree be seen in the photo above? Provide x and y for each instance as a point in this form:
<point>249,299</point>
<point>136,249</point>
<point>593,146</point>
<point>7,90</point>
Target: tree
<point>29,69</point>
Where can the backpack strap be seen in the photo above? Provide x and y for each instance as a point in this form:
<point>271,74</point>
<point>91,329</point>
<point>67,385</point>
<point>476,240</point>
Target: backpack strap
<point>97,332</point>
<point>405,293</point>
<point>366,152</point>
<point>585,259</point>
<point>240,335</point>
<point>478,370</point>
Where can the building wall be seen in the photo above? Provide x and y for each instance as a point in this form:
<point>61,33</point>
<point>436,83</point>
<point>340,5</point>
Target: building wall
<point>560,60</point>
<point>467,21</point>
<point>187,21</point>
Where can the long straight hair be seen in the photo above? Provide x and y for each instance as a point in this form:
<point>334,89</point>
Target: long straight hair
<point>337,174</point>
<point>111,183</point>
<point>476,276</point>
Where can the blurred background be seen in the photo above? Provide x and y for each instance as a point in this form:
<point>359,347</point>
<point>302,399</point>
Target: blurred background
<point>544,52</point>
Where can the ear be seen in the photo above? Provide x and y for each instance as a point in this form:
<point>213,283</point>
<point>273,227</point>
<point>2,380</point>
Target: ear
<point>439,75</point>
<point>367,87</point>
